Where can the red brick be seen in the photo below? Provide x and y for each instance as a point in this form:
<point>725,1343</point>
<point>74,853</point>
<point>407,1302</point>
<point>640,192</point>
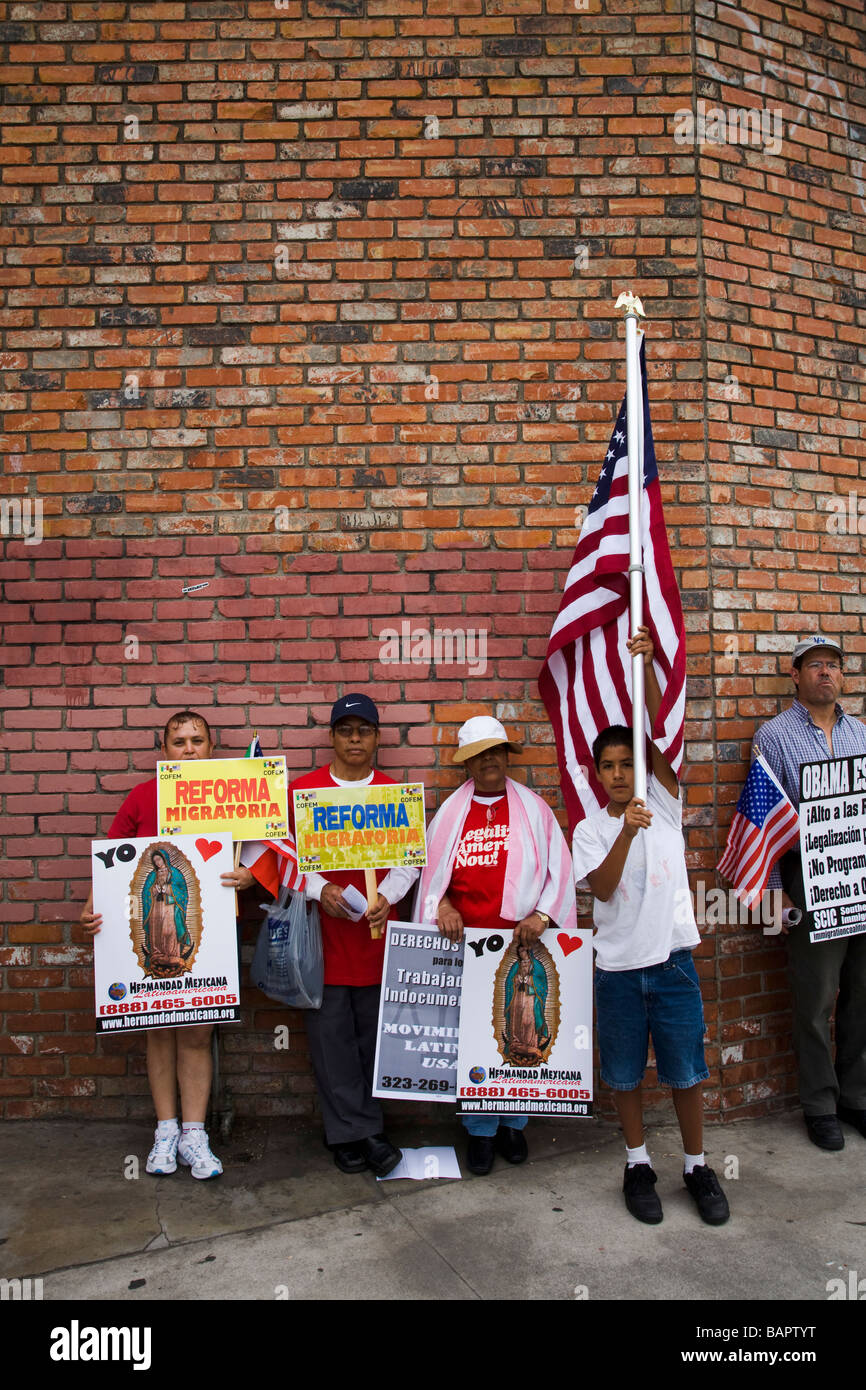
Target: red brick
<point>312,397</point>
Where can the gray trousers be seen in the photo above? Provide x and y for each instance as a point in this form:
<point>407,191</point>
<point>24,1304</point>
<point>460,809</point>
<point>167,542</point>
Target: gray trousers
<point>342,1037</point>
<point>819,971</point>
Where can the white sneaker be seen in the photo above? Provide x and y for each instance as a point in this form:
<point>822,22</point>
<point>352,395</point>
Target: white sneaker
<point>194,1152</point>
<point>162,1157</point>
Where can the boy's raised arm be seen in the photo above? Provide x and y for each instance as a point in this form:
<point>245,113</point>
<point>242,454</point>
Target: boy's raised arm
<point>642,645</point>
<point>605,879</point>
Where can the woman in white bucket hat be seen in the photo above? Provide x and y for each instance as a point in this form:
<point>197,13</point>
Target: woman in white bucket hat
<point>497,859</point>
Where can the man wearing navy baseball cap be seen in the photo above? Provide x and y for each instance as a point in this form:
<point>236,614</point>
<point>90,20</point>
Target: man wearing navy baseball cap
<point>814,729</point>
<point>342,1034</point>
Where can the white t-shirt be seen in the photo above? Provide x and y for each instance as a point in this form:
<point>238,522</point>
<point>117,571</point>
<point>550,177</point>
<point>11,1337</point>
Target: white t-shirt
<point>650,912</point>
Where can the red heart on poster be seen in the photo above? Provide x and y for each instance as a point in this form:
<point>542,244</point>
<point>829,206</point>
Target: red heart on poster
<point>208,848</point>
<point>569,943</point>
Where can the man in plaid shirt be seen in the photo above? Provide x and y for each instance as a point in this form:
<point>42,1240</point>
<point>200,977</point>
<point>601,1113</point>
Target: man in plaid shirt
<point>814,729</point>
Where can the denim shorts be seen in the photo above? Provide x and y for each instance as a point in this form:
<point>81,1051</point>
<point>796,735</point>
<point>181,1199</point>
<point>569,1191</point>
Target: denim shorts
<point>660,1001</point>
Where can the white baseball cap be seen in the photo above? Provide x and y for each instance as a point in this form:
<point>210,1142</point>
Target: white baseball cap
<point>816,640</point>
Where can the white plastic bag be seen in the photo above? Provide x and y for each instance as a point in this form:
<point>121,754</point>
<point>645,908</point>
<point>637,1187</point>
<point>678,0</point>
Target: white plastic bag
<point>288,965</point>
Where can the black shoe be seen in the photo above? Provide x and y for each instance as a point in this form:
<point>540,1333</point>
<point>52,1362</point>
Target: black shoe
<point>638,1184</point>
<point>709,1197</point>
<point>480,1153</point>
<point>380,1154</point>
<point>511,1143</point>
<point>349,1158</point>
<point>855,1118</point>
<point>825,1131</point>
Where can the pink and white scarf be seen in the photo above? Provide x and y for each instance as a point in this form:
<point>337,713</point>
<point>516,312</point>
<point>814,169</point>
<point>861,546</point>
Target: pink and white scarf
<point>538,872</point>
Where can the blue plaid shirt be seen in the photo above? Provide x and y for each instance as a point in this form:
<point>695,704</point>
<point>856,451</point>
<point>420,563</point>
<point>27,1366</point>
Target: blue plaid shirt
<point>793,738</point>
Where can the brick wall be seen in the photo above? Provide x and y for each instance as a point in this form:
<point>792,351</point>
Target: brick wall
<point>313,304</point>
<point>782,243</point>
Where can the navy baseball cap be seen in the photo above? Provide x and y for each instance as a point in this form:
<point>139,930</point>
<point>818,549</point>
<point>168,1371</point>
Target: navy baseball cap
<point>357,706</point>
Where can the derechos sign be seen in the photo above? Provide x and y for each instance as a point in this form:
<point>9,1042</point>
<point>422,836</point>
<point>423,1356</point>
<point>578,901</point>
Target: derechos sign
<point>360,828</point>
<point>245,797</point>
<point>419,1014</point>
<point>833,845</point>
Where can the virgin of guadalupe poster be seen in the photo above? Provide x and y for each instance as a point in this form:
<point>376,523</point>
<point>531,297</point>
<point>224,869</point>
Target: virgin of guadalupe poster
<point>166,953</point>
<point>165,912</point>
<point>526,1005</point>
<point>525,1042</point>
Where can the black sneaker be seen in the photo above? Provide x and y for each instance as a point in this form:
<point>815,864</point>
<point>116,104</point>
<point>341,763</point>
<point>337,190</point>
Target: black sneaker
<point>825,1131</point>
<point>641,1198</point>
<point>349,1158</point>
<point>380,1154</point>
<point>709,1197</point>
<point>511,1144</point>
<point>855,1118</point>
<point>480,1153</point>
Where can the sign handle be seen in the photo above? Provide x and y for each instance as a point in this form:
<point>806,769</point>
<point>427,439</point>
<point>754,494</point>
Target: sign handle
<point>372,896</point>
<point>238,847</point>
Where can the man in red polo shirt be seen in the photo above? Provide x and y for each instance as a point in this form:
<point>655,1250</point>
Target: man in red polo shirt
<point>342,1034</point>
<point>177,1058</point>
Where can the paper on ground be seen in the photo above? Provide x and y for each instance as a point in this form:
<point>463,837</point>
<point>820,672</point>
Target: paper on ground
<point>426,1163</point>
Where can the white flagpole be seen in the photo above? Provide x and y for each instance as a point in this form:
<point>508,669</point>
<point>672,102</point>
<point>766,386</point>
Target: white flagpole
<point>634,421</point>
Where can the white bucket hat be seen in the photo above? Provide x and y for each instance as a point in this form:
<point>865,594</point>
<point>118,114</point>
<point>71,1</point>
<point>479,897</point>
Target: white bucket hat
<point>479,733</point>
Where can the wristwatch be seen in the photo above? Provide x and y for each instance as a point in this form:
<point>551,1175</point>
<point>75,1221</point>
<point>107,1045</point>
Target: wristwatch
<point>544,917</point>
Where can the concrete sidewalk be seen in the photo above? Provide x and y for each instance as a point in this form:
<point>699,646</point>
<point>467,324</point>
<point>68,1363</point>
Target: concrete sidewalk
<point>283,1222</point>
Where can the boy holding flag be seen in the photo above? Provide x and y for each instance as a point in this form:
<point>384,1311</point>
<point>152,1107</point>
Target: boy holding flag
<point>631,855</point>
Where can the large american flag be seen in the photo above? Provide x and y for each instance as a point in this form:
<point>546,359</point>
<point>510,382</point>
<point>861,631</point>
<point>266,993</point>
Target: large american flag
<point>585,682</point>
<point>765,825</point>
<point>274,863</point>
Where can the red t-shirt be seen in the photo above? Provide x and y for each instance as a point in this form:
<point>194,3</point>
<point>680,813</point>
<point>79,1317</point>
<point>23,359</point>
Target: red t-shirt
<point>478,876</point>
<point>352,955</point>
<point>137,815</point>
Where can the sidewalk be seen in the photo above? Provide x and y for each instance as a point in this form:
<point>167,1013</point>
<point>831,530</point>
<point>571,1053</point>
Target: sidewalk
<point>283,1222</point>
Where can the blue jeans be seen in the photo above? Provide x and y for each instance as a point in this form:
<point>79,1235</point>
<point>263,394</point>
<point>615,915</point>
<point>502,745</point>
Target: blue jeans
<point>487,1125</point>
<point>659,1001</point>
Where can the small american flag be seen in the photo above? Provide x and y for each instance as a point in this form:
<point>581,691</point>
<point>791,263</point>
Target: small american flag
<point>765,825</point>
<point>585,682</point>
<point>278,870</point>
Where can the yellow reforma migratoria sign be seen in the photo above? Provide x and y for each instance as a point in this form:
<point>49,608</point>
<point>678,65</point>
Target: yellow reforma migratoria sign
<point>246,797</point>
<point>368,828</point>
